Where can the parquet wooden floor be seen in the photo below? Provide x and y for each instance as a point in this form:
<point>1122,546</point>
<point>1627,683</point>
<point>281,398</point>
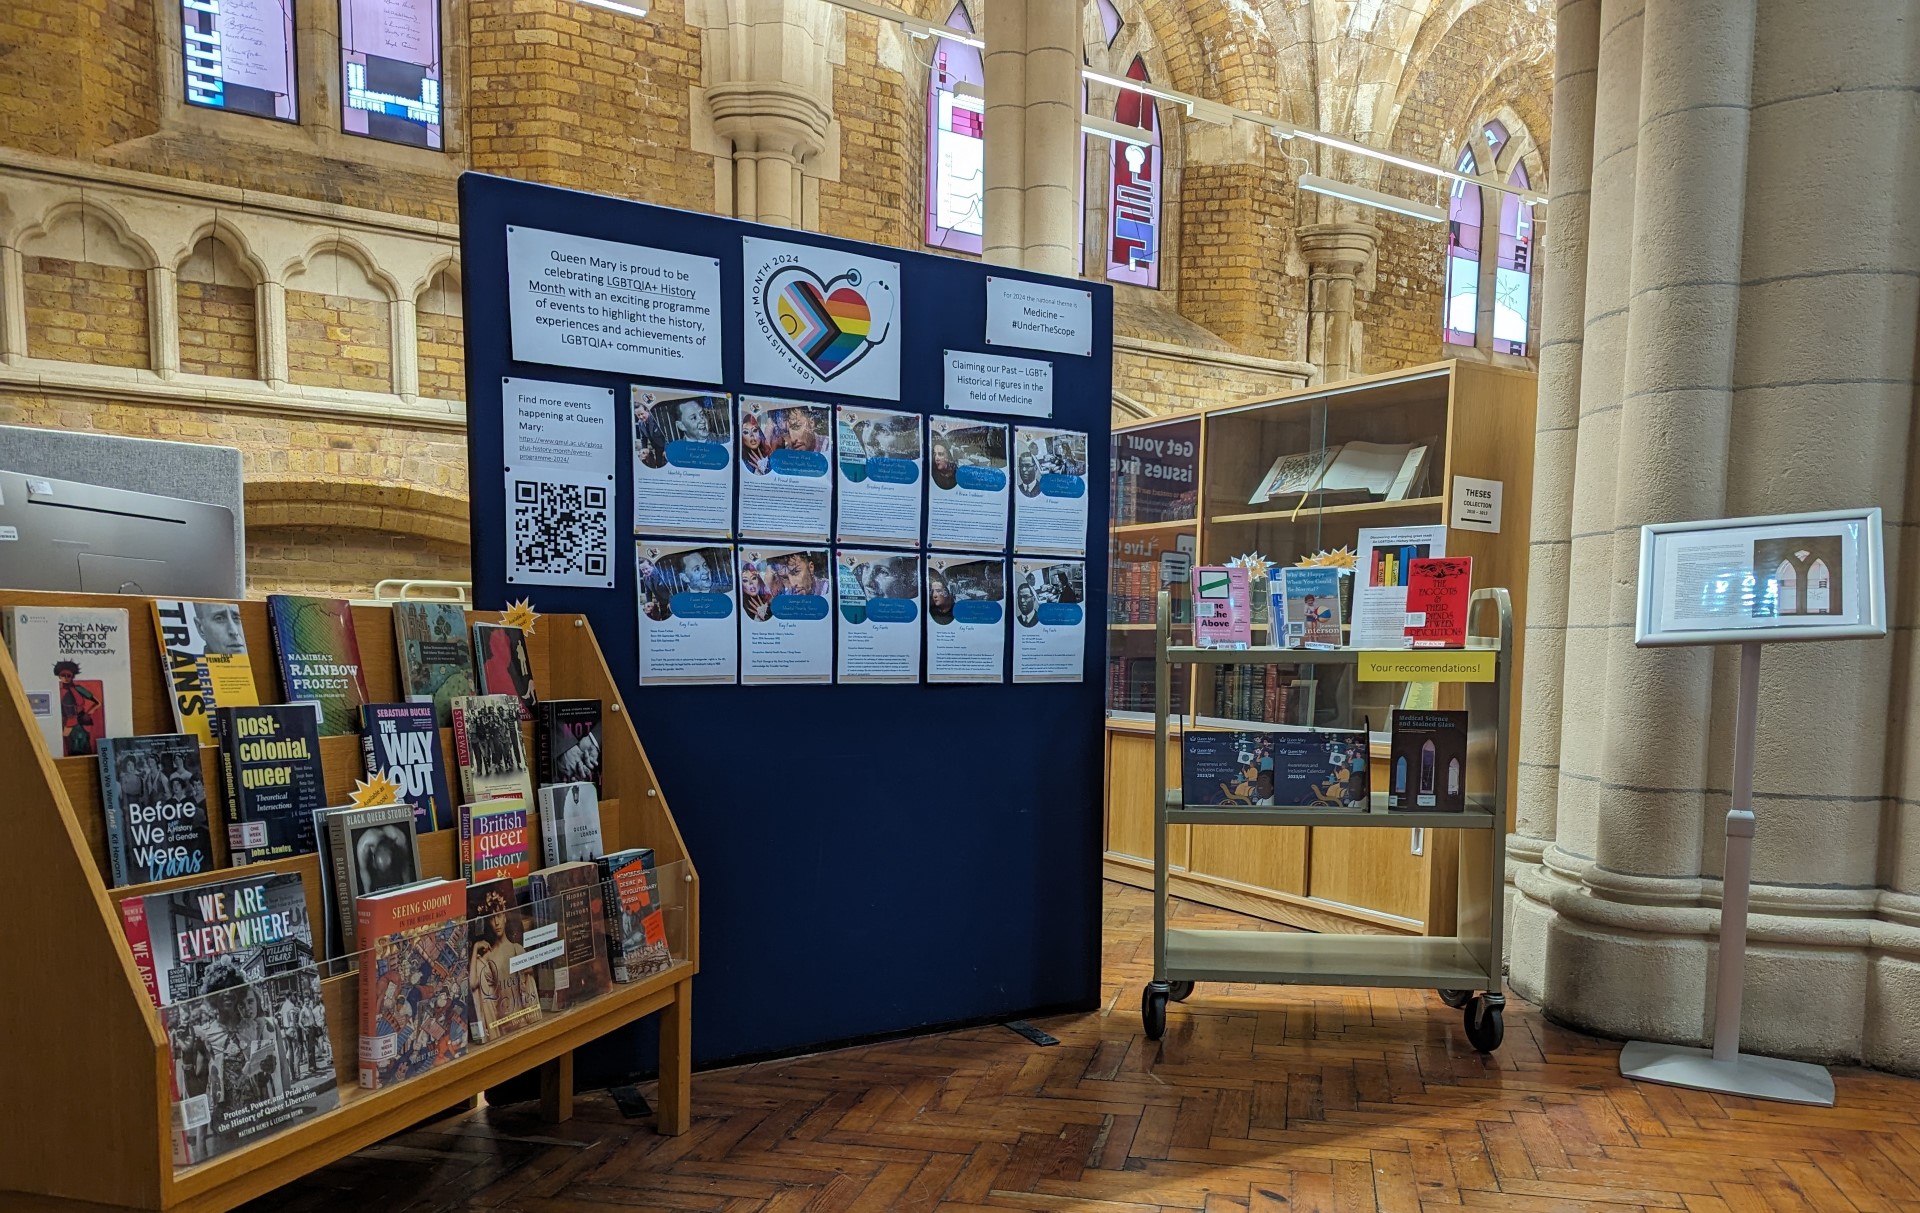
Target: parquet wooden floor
<point>1259,1100</point>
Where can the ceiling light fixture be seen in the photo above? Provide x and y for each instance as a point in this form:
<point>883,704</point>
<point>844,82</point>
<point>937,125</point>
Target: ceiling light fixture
<point>1366,197</point>
<point>1119,132</point>
<point>631,10</point>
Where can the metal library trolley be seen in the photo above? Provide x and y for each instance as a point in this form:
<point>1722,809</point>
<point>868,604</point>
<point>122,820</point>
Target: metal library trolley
<point>1465,968</point>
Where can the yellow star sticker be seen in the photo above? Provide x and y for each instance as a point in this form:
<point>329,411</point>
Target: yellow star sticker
<point>520,615</point>
<point>376,791</point>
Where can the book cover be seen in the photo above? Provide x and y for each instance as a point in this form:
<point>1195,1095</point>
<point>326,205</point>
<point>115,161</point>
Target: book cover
<point>75,664</point>
<point>270,763</point>
<point>1438,590</point>
<point>1321,768</point>
<point>1293,474</point>
<point>371,851</point>
<point>500,653</point>
<point>487,745</point>
<point>504,946</point>
<point>568,896</point>
<point>414,1012</point>
<point>230,965</point>
<point>494,842</point>
<point>1310,605</point>
<point>1222,607</point>
<point>330,910</point>
<point>1226,768</point>
<point>569,823</point>
<point>566,741</point>
<point>636,922</point>
<point>155,797</point>
<point>1427,762</point>
<point>319,658</point>
<point>203,650</point>
<point>402,742</point>
<point>435,664</point>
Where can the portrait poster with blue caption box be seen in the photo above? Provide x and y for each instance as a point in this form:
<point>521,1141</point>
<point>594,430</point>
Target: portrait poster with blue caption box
<point>967,484</point>
<point>966,618</point>
<point>1050,491</point>
<point>682,462</point>
<point>879,613</point>
<point>879,459</point>
<point>786,457</point>
<point>687,604</point>
<point>786,614</point>
<point>558,465</point>
<point>820,319</point>
<point>1049,620</point>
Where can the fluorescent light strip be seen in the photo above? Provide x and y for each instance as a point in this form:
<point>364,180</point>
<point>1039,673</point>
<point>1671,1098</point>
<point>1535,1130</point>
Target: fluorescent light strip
<point>1366,197</point>
<point>1119,132</point>
<point>628,9</point>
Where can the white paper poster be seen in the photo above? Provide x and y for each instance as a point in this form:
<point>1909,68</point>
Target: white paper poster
<point>879,601</point>
<point>967,484</point>
<point>786,614</point>
<point>1380,581</point>
<point>573,301</point>
<point>1050,486</point>
<point>1476,505</point>
<point>687,632</point>
<point>879,461</point>
<point>1036,316</point>
<point>786,453</point>
<point>1745,577</point>
<point>682,462</point>
<point>1049,620</point>
<point>558,466</point>
<point>990,383</point>
<point>966,618</point>
<point>821,319</point>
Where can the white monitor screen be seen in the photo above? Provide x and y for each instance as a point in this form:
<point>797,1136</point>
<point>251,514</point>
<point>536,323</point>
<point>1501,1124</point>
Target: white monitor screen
<point>238,55</point>
<point>390,70</point>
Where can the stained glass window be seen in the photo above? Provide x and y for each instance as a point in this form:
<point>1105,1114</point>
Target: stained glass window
<point>1513,270</point>
<point>1133,205</point>
<point>1463,256</point>
<point>956,145</point>
<point>1110,22</point>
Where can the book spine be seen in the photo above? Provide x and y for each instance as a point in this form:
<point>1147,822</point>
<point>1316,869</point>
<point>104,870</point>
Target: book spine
<point>342,883</point>
<point>369,983</point>
<point>116,819</point>
<point>133,916</point>
<point>462,754</point>
<point>236,805</point>
<point>369,760</point>
<point>544,722</point>
<point>549,830</point>
<point>465,814</point>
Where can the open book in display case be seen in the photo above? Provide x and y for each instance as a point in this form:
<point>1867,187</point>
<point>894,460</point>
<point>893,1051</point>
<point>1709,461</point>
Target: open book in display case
<point>86,1091</point>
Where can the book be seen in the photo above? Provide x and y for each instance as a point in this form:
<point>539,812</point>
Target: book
<point>503,946</point>
<point>1222,607</point>
<point>402,742</point>
<point>155,798</point>
<point>569,823</point>
<point>566,741</point>
<point>414,1009</point>
<point>230,965</point>
<point>1439,589</point>
<point>568,896</point>
<point>1292,474</point>
<point>1219,768</point>
<point>204,652</point>
<point>75,665</point>
<point>1321,768</point>
<point>1409,476</point>
<point>1366,469</point>
<point>1427,762</point>
<point>493,840</point>
<point>500,653</point>
<point>488,746</point>
<point>330,911</point>
<point>636,921</point>
<point>270,764</point>
<point>435,664</point>
<point>319,658</point>
<point>370,851</point>
<point>1309,603</point>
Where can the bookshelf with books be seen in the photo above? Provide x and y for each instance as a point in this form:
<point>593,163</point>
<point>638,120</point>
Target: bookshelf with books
<point>134,1142</point>
<point>1284,478</point>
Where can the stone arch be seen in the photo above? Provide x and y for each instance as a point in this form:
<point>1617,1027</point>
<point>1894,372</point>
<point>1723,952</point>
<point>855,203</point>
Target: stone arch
<point>344,535</point>
<point>337,264</point>
<point>216,286</point>
<point>441,333</point>
<point>340,322</point>
<point>83,228</point>
<point>85,283</point>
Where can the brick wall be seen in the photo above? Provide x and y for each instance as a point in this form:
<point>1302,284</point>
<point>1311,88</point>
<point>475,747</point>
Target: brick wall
<point>341,562</point>
<point>882,165</point>
<point>1402,313</point>
<point>217,330</point>
<point>80,311</point>
<point>339,341</point>
<point>1236,222</point>
<point>1168,384</point>
<point>443,364</point>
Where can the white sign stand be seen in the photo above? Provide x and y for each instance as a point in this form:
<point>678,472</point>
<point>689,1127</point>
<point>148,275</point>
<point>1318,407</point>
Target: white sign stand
<point>1751,581</point>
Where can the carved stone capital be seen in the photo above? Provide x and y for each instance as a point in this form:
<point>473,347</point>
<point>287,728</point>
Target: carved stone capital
<point>1344,249</point>
<point>769,116</point>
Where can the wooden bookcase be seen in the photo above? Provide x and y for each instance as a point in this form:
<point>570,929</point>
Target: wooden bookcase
<point>84,1069</point>
<point>1478,421</point>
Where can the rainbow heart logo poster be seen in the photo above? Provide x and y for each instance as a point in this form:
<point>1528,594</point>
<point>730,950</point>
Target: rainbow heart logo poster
<point>818,318</point>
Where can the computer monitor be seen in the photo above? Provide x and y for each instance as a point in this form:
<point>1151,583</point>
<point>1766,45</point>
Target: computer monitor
<point>66,536</point>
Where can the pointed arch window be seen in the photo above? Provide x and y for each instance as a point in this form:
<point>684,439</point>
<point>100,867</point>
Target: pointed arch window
<point>1133,204</point>
<point>956,202</point>
<point>1110,22</point>
<point>1463,256</point>
<point>1513,270</point>
<point>1495,311</point>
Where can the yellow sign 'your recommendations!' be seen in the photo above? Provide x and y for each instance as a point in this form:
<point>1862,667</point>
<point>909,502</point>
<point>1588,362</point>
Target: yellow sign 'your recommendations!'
<point>1407,665</point>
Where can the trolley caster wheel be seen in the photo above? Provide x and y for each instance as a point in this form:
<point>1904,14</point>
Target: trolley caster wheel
<point>1485,1022</point>
<point>1153,1010</point>
<point>1179,991</point>
<point>1455,998</point>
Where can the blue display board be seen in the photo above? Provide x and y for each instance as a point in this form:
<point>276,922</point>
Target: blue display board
<point>874,859</point>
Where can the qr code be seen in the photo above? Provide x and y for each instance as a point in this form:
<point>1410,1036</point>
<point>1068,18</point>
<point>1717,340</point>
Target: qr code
<point>560,529</point>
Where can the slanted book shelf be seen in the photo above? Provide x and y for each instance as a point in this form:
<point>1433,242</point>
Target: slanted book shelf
<point>85,1092</point>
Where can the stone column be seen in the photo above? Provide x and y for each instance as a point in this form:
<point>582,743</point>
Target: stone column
<point>1052,196</point>
<point>403,327</point>
<point>270,331</point>
<point>774,128</point>
<point>13,307</point>
<point>1005,242</point>
<point>769,71</point>
<point>1336,255</point>
<point>163,321</point>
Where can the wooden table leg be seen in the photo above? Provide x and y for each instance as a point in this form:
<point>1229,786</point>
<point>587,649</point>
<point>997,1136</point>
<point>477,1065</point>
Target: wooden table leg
<point>675,1112</point>
<point>556,1089</point>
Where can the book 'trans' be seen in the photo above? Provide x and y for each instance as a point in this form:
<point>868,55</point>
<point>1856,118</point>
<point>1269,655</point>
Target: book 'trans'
<point>204,651</point>
<point>319,658</point>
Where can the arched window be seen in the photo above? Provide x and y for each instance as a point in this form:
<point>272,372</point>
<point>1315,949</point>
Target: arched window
<point>1133,206</point>
<point>1110,22</point>
<point>1513,271</point>
<point>956,148</point>
<point>1463,256</point>
<point>1474,240</point>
